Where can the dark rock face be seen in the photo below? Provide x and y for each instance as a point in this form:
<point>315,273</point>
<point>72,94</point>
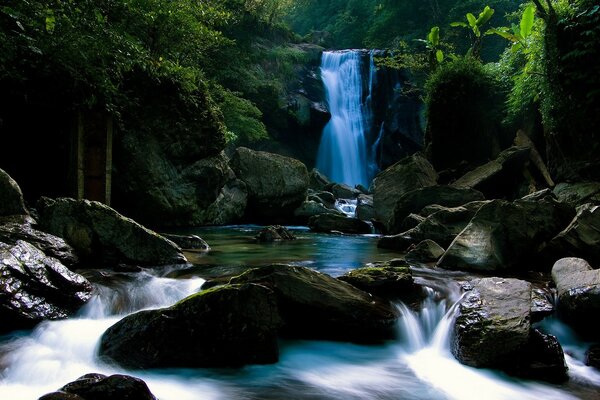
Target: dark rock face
<point>581,238</point>
<point>541,305</point>
<point>11,197</point>
<point>274,233</point>
<point>317,306</point>
<point>542,358</point>
<point>34,287</point>
<point>504,235</point>
<point>312,208</point>
<point>101,387</point>
<point>410,173</point>
<point>415,200</point>
<point>100,235</point>
<point>343,191</point>
<point>493,322</point>
<point>592,357</point>
<point>364,208</point>
<point>317,181</point>
<point>577,194</point>
<point>188,242</point>
<point>392,280</point>
<point>425,251</point>
<point>338,223</point>
<point>228,326</point>
<point>277,185</point>
<point>578,287</point>
<point>21,227</point>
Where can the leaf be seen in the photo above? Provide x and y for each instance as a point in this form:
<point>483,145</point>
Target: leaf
<point>485,16</point>
<point>50,22</point>
<point>472,20</point>
<point>516,30</point>
<point>439,55</point>
<point>476,31</point>
<point>503,33</point>
<point>434,36</point>
<point>527,21</point>
<point>458,24</point>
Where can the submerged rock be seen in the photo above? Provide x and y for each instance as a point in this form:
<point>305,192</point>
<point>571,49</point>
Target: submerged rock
<point>277,185</point>
<point>392,279</point>
<point>11,197</point>
<point>100,235</point>
<point>578,287</point>
<point>274,233</point>
<point>316,306</point>
<point>504,235</point>
<point>187,242</point>
<point>101,387</point>
<point>338,223</point>
<point>227,326</point>
<point>34,287</point>
<point>410,173</point>
<point>425,251</point>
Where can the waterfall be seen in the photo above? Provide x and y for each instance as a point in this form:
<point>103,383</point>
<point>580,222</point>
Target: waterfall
<point>342,153</point>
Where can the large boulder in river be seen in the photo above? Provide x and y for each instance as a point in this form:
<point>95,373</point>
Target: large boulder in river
<point>101,387</point>
<point>415,200</point>
<point>410,173</point>
<point>100,235</point>
<point>578,287</point>
<point>227,326</point>
<point>504,235</point>
<point>23,227</point>
<point>391,280</point>
<point>316,306</point>
<point>338,223</point>
<point>11,197</point>
<point>34,287</point>
<point>581,238</point>
<point>276,184</point>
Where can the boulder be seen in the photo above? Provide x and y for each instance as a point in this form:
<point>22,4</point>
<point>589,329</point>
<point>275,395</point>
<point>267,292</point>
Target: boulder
<point>276,185</point>
<point>34,287</point>
<point>442,226</point>
<point>317,181</point>
<point>541,305</point>
<point>311,208</point>
<point>592,356</point>
<point>101,387</point>
<point>581,238</point>
<point>188,242</point>
<point>325,198</point>
<point>409,174</point>
<point>506,236</point>
<point>274,233</point>
<point>102,236</point>
<point>496,179</point>
<point>579,193</point>
<point>338,223</point>
<point>425,251</point>
<point>22,227</point>
<point>316,306</point>
<point>578,289</point>
<point>411,221</point>
<point>343,191</point>
<point>542,359</point>
<point>414,201</point>
<point>390,280</point>
<point>493,322</point>
<point>11,197</point>
<point>227,326</point>
<point>364,208</point>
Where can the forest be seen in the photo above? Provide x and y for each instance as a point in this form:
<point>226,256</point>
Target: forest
<point>307,199</point>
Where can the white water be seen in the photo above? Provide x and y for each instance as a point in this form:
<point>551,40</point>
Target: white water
<point>347,206</point>
<point>342,153</point>
<point>417,366</point>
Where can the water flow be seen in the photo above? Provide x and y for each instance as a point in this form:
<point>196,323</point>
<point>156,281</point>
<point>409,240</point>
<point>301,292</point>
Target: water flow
<point>342,153</point>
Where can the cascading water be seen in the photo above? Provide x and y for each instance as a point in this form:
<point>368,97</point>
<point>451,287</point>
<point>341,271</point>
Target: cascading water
<point>342,153</point>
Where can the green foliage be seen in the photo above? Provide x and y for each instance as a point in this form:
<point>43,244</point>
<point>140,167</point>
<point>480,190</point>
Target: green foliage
<point>242,117</point>
<point>475,25</point>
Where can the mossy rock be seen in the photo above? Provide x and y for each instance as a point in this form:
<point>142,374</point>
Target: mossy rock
<point>392,279</point>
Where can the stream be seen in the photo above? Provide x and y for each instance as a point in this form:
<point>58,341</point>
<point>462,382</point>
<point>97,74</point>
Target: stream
<point>418,365</point>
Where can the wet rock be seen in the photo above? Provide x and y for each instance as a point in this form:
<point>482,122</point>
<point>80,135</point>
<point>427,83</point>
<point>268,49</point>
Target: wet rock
<point>311,208</point>
<point>102,236</point>
<point>229,206</point>
<point>343,191</point>
<point>493,322</point>
<point>338,223</point>
<point>391,280</point>
<point>541,306</point>
<point>22,227</point>
<point>414,201</point>
<point>425,251</point>
<point>188,242</point>
<point>274,233</point>
<point>364,208</point>
<point>363,189</point>
<point>11,197</point>
<point>227,326</point>
<point>542,359</point>
<point>325,198</point>
<point>34,287</point>
<point>101,387</point>
<point>317,306</point>
<point>505,236</point>
<point>317,180</point>
<point>277,185</point>
<point>578,287</point>
<point>577,194</point>
<point>410,173</point>
<point>592,356</point>
<point>581,238</point>
<point>496,179</point>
